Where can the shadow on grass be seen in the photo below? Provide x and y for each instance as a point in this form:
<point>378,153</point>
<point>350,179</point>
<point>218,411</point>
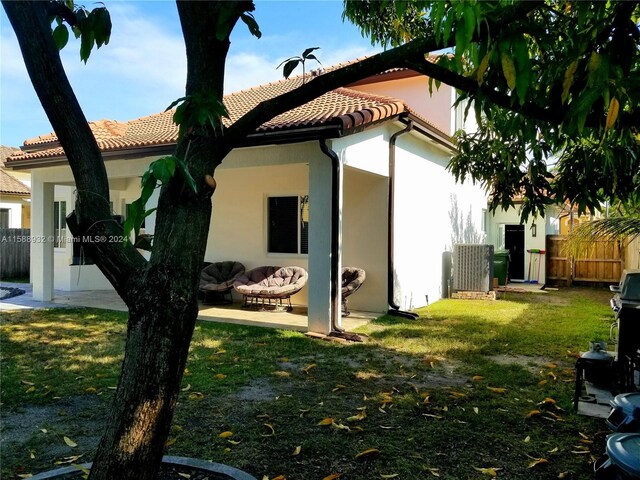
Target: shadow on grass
<point>425,393</point>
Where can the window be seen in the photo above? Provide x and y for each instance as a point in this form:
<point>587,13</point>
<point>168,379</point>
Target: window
<point>4,217</point>
<point>483,221</point>
<point>288,224</point>
<point>59,224</point>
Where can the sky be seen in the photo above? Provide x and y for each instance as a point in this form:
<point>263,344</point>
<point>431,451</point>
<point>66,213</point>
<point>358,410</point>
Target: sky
<point>142,69</point>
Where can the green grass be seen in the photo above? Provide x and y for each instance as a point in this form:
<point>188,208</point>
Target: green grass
<point>426,409</point>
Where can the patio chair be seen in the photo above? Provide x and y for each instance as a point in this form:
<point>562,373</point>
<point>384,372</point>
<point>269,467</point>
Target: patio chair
<point>216,281</point>
<point>352,280</point>
<point>270,283</point>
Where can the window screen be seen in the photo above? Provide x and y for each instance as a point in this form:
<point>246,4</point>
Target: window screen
<point>283,225</point>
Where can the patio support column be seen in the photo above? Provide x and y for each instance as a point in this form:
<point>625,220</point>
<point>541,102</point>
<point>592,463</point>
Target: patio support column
<point>42,240</point>
<point>320,220</point>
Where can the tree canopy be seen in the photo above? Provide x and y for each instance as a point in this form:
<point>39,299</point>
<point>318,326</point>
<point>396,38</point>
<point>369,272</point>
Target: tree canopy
<point>555,91</point>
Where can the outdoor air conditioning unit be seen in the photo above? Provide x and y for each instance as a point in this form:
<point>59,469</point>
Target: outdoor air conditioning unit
<point>472,267</point>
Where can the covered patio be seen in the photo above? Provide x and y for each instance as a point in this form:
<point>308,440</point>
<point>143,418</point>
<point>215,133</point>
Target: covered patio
<point>233,313</point>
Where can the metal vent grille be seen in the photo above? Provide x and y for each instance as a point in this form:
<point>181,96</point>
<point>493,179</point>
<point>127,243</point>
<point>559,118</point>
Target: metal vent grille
<point>473,267</point>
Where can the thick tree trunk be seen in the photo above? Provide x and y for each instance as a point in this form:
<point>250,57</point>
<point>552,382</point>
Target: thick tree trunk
<point>163,309</point>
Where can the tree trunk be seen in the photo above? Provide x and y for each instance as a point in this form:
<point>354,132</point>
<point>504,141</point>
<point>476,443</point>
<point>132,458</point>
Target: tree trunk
<point>162,315</point>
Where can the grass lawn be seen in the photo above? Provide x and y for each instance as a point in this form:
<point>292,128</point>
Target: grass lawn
<point>470,389</point>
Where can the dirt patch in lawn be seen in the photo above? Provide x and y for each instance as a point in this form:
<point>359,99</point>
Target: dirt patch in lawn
<point>532,364</point>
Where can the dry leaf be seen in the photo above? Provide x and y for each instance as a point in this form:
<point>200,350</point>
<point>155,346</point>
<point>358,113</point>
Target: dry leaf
<point>24,382</point>
<point>551,365</point>
<point>533,413</point>
<point>219,376</point>
<point>477,378</point>
<point>433,471</point>
<point>280,477</point>
<point>391,475</point>
<point>25,475</point>
<point>169,442</point>
<point>297,451</point>
<point>226,434</point>
<point>543,382</point>
<point>497,389</point>
<point>196,395</point>
<point>282,374</point>
<point>554,450</point>
<point>333,476</point>
<point>184,475</point>
<point>563,475</point>
<point>338,387</point>
<point>30,389</point>
<point>270,427</point>
<point>69,442</point>
<point>548,401</point>
<point>309,367</point>
<point>340,426</point>
<point>90,390</point>
<point>43,430</point>
<point>476,410</point>
<point>32,455</point>
<point>370,453</point>
<point>527,439</point>
<point>187,388</point>
<point>67,460</point>
<point>233,442</point>
<point>326,421</point>
<point>491,471</point>
<point>537,461</point>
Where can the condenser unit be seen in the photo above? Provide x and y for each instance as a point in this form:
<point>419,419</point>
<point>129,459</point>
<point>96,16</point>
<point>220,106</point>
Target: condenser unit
<point>472,267</point>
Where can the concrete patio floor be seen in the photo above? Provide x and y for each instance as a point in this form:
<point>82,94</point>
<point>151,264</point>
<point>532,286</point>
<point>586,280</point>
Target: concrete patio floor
<point>233,313</point>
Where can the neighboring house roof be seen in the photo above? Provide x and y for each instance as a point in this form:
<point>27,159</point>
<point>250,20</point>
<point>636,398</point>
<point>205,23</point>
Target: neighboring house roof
<point>343,108</point>
<point>8,184</point>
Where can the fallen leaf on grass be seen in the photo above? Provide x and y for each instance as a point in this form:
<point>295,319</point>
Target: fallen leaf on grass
<point>90,390</point>
<point>219,376</point>
<point>360,416</point>
<point>553,450</point>
<point>233,442</point>
<point>551,365</point>
<point>270,427</point>
<point>184,475</point>
<point>69,442</point>
<point>454,394</point>
<point>32,454</point>
<point>543,382</point>
<point>196,395</point>
<point>297,451</point>
<point>282,374</point>
<point>338,387</point>
<point>477,378</point>
<point>563,475</point>
<point>30,389</point>
<point>491,471</point>
<point>433,471</point>
<point>368,454</point>
<point>391,475</point>
<point>326,421</point>
<point>547,401</point>
<point>537,461</point>
<point>187,388</point>
<point>169,442</point>
<point>476,410</point>
<point>333,476</point>
<point>25,475</point>
<point>533,413</point>
<point>226,434</point>
<point>67,460</point>
<point>24,382</point>
<point>497,389</point>
<point>340,426</point>
<point>527,439</point>
<point>308,368</point>
<point>280,477</point>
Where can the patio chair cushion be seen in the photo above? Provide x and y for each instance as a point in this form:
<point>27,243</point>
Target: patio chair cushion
<point>219,276</point>
<point>352,280</point>
<point>271,282</point>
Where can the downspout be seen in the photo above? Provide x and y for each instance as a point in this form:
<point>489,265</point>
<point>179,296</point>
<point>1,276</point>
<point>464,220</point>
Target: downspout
<point>394,308</point>
<point>335,225</point>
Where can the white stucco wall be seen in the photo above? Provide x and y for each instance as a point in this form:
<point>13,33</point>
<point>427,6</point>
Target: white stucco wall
<point>512,217</point>
<point>415,92</point>
<point>14,205</point>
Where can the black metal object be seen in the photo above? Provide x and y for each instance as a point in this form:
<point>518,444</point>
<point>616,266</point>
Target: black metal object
<point>626,306</point>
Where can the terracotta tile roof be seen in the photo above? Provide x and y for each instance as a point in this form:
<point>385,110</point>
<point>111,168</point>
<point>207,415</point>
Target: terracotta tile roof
<point>10,185</point>
<point>343,107</point>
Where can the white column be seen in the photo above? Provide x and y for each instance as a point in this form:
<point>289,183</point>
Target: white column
<point>319,286</point>
<point>42,240</point>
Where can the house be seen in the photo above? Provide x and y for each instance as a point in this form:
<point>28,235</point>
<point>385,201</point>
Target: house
<point>275,205</point>
<point>15,206</point>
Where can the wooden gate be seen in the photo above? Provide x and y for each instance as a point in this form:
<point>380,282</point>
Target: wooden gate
<point>14,252</point>
<point>602,262</point>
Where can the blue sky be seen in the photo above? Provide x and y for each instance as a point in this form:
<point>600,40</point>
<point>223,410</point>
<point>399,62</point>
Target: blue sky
<point>142,70</point>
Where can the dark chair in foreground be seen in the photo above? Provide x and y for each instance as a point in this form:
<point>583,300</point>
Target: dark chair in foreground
<point>216,281</point>
<point>270,284</point>
<point>352,280</point>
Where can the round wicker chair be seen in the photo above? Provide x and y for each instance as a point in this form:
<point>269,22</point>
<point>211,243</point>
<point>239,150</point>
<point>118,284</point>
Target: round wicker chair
<point>270,283</point>
<point>216,281</point>
<point>352,280</point>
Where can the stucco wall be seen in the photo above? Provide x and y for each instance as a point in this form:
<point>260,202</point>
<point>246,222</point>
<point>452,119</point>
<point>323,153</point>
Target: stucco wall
<point>512,217</point>
<point>14,205</point>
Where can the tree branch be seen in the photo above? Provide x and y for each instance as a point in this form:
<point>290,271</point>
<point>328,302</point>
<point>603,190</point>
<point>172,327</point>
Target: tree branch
<point>93,212</point>
<point>411,55</point>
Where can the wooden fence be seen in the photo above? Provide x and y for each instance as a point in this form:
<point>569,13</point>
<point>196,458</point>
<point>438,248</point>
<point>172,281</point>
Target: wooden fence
<point>14,252</point>
<point>603,262</point>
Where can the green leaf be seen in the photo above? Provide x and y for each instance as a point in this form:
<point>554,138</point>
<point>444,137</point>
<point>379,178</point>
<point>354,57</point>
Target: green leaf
<point>61,36</point>
<point>186,175</point>
<point>102,26</point>
<point>164,168</point>
<point>289,67</point>
<point>509,70</point>
<point>250,21</point>
<point>87,40</point>
<point>306,53</point>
